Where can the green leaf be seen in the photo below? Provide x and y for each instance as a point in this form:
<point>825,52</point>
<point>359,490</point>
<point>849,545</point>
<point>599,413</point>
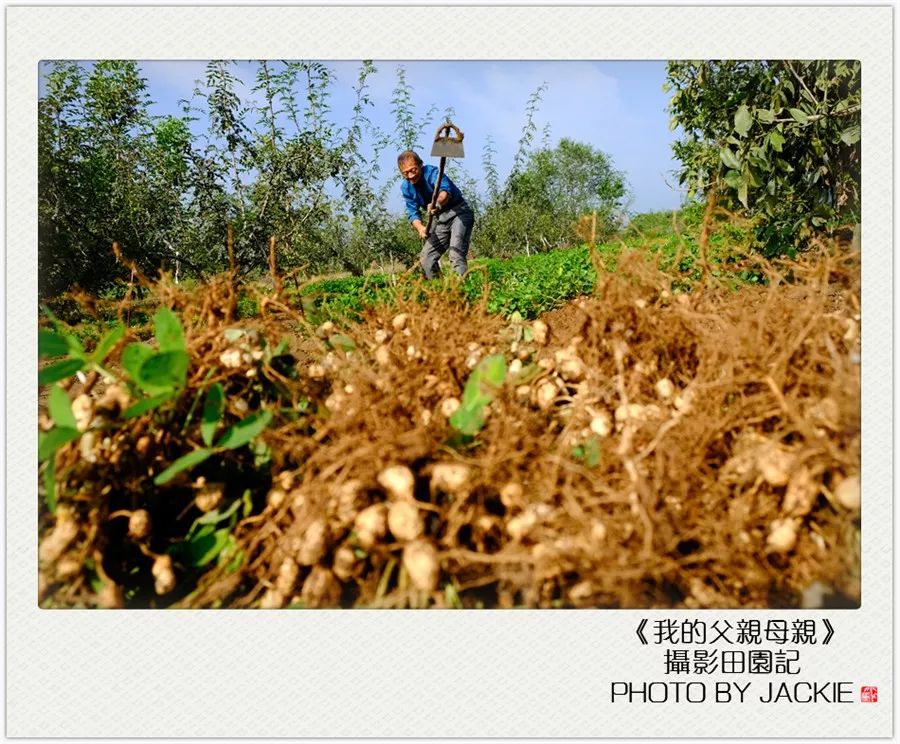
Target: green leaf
<point>51,344</point>
<point>75,348</point>
<point>850,136</point>
<point>60,408</point>
<point>182,463</point>
<point>74,345</point>
<point>59,371</point>
<point>589,452</point>
<point>742,193</point>
<point>245,430</point>
<point>808,96</point>
<point>212,412</point>
<point>784,166</point>
<point>214,516</point>
<point>493,370</point>
<point>480,389</point>
<point>468,421</point>
<point>233,506</point>
<point>733,179</point>
<point>262,454</point>
<point>729,158</point>
<point>169,333</point>
<point>799,115</point>
<point>752,177</point>
<point>210,519</point>
<point>112,337</point>
<point>205,547</point>
<point>50,441</point>
<point>742,120</point>
<point>164,371</point>
<point>133,356</point>
<point>50,485</point>
<point>227,552</point>
<point>765,116</point>
<point>148,404</point>
<point>235,563</point>
<point>452,597</point>
<point>776,139</point>
<point>196,401</point>
<point>761,156</point>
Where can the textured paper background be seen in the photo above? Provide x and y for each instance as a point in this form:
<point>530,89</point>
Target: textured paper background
<point>388,673</point>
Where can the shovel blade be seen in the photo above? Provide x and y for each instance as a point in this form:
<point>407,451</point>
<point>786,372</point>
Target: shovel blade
<point>447,148</point>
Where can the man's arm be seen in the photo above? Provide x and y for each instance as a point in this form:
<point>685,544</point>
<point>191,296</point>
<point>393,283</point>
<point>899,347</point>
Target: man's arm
<point>442,198</point>
<point>412,210</point>
<point>430,173</point>
<point>419,227</point>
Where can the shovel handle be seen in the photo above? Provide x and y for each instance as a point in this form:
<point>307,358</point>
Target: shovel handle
<point>434,196</point>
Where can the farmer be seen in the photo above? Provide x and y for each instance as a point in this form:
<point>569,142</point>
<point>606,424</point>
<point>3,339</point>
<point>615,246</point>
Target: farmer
<point>451,226</point>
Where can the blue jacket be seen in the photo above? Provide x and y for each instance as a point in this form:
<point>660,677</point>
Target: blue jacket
<point>419,196</point>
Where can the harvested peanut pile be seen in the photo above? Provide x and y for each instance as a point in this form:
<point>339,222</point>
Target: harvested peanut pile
<point>656,449</point>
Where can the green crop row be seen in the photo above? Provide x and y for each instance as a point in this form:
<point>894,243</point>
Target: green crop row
<point>528,285</point>
<point>533,284</point>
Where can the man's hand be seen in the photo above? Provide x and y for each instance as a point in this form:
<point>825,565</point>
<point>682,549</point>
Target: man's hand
<point>420,228</point>
<point>441,200</point>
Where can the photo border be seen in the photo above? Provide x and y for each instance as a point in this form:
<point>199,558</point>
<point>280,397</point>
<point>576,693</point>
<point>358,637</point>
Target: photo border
<point>405,673</point>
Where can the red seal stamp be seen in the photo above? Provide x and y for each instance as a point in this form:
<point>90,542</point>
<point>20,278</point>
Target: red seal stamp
<point>868,694</point>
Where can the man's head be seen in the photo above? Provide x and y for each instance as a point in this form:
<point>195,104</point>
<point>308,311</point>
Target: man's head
<point>410,165</point>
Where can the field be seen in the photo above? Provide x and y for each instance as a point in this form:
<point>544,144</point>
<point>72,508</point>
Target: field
<point>640,424</point>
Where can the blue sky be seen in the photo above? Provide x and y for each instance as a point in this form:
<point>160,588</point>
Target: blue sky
<point>618,107</point>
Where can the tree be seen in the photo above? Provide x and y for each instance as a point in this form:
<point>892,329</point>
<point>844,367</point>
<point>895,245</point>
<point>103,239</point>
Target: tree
<point>778,138</point>
<point>106,172</point>
<point>270,164</point>
<point>573,178</point>
<point>544,197</point>
<point>61,200</point>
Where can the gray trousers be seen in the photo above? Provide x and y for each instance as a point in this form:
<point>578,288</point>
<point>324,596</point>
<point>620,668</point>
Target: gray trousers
<point>450,230</point>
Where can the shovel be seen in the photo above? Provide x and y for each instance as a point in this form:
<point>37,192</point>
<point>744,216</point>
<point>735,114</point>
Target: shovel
<point>445,146</point>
